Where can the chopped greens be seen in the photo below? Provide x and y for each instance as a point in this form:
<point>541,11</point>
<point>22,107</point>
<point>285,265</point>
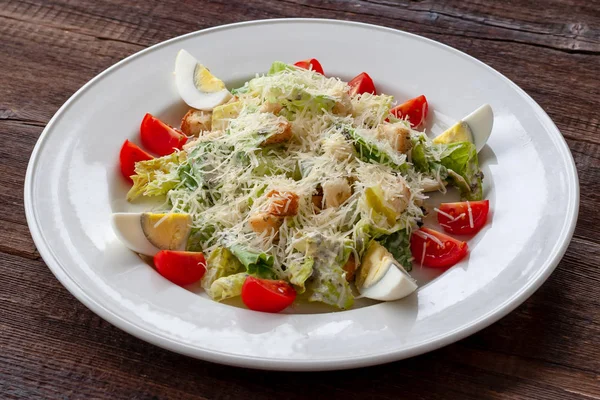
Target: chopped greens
<point>296,178</point>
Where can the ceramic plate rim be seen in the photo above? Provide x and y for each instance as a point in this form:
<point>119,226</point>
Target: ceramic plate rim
<point>333,363</point>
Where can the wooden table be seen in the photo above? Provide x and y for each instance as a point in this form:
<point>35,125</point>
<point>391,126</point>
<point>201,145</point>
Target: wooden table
<point>51,346</point>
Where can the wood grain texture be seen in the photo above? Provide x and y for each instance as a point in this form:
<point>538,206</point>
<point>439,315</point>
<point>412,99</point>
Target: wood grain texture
<point>51,346</point>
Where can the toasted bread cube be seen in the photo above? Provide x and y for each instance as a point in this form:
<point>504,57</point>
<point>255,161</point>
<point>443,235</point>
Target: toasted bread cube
<point>272,108</point>
<point>282,203</point>
<point>196,121</point>
<point>336,192</point>
<point>350,268</point>
<point>265,223</point>
<point>397,135</point>
<point>283,133</point>
<point>343,106</point>
<point>317,201</point>
<point>401,196</point>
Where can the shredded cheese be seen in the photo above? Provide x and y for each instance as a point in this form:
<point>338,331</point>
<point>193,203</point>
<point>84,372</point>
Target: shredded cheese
<point>226,176</point>
<point>470,214</point>
<point>425,235</point>
<point>445,214</point>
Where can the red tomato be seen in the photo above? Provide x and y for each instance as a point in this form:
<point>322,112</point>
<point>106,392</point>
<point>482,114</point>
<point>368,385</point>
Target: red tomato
<point>362,83</point>
<point>267,295</point>
<point>159,137</point>
<point>456,217</point>
<point>311,63</point>
<point>430,253</point>
<point>180,267</point>
<point>416,110</point>
<point>129,155</point>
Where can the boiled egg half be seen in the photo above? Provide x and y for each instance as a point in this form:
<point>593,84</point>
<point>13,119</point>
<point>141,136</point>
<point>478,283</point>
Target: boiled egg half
<point>148,233</point>
<point>381,277</point>
<point>475,128</point>
<point>196,85</point>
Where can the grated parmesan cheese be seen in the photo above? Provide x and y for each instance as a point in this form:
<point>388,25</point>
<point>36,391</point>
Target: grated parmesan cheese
<point>226,176</point>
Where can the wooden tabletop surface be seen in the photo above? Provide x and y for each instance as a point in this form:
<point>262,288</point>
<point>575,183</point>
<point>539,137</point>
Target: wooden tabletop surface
<point>51,346</point>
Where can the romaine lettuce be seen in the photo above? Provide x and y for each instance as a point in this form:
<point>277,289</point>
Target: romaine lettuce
<point>279,66</point>
<point>328,285</point>
<point>219,264</point>
<point>227,286</point>
<point>456,162</point>
<point>156,177</point>
<point>369,149</point>
<point>257,263</point>
<point>383,214</point>
<point>398,243</point>
<point>461,158</point>
<point>299,272</point>
<point>198,236</point>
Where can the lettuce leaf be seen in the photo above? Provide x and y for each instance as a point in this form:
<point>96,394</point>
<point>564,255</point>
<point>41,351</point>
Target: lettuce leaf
<point>370,150</point>
<point>328,285</point>
<point>298,99</point>
<point>198,236</point>
<point>461,158</point>
<point>257,263</point>
<point>220,263</point>
<point>398,243</point>
<point>227,286</point>
<point>157,176</point>
<point>293,93</point>
<point>365,232</point>
<point>279,66</point>
<point>383,215</point>
<point>300,272</point>
<point>456,162</point>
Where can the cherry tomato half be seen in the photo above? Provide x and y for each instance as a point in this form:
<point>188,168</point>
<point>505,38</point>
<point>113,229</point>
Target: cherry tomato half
<point>159,137</point>
<point>362,83</point>
<point>416,110</point>
<point>129,155</point>
<point>426,249</point>
<point>180,267</point>
<point>463,218</point>
<point>267,295</point>
<point>311,63</point>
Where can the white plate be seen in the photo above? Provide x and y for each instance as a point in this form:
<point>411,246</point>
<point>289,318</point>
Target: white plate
<point>73,185</point>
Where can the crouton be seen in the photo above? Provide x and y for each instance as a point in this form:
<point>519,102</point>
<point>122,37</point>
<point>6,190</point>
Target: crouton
<point>282,203</point>
<point>282,134</point>
<point>265,223</point>
<point>196,121</point>
<point>397,135</point>
<point>336,192</point>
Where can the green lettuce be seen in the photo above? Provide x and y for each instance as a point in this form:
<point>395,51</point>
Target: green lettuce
<point>292,92</point>
<point>299,99</point>
<point>365,232</point>
<point>198,236</point>
<point>227,286</point>
<point>257,263</point>
<point>279,66</point>
<point>457,162</point>
<point>370,150</point>
<point>328,285</point>
<point>383,215</point>
<point>156,177</point>
<point>461,159</point>
<point>220,263</point>
<point>299,272</point>
<point>398,243</point>
<point>326,281</point>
